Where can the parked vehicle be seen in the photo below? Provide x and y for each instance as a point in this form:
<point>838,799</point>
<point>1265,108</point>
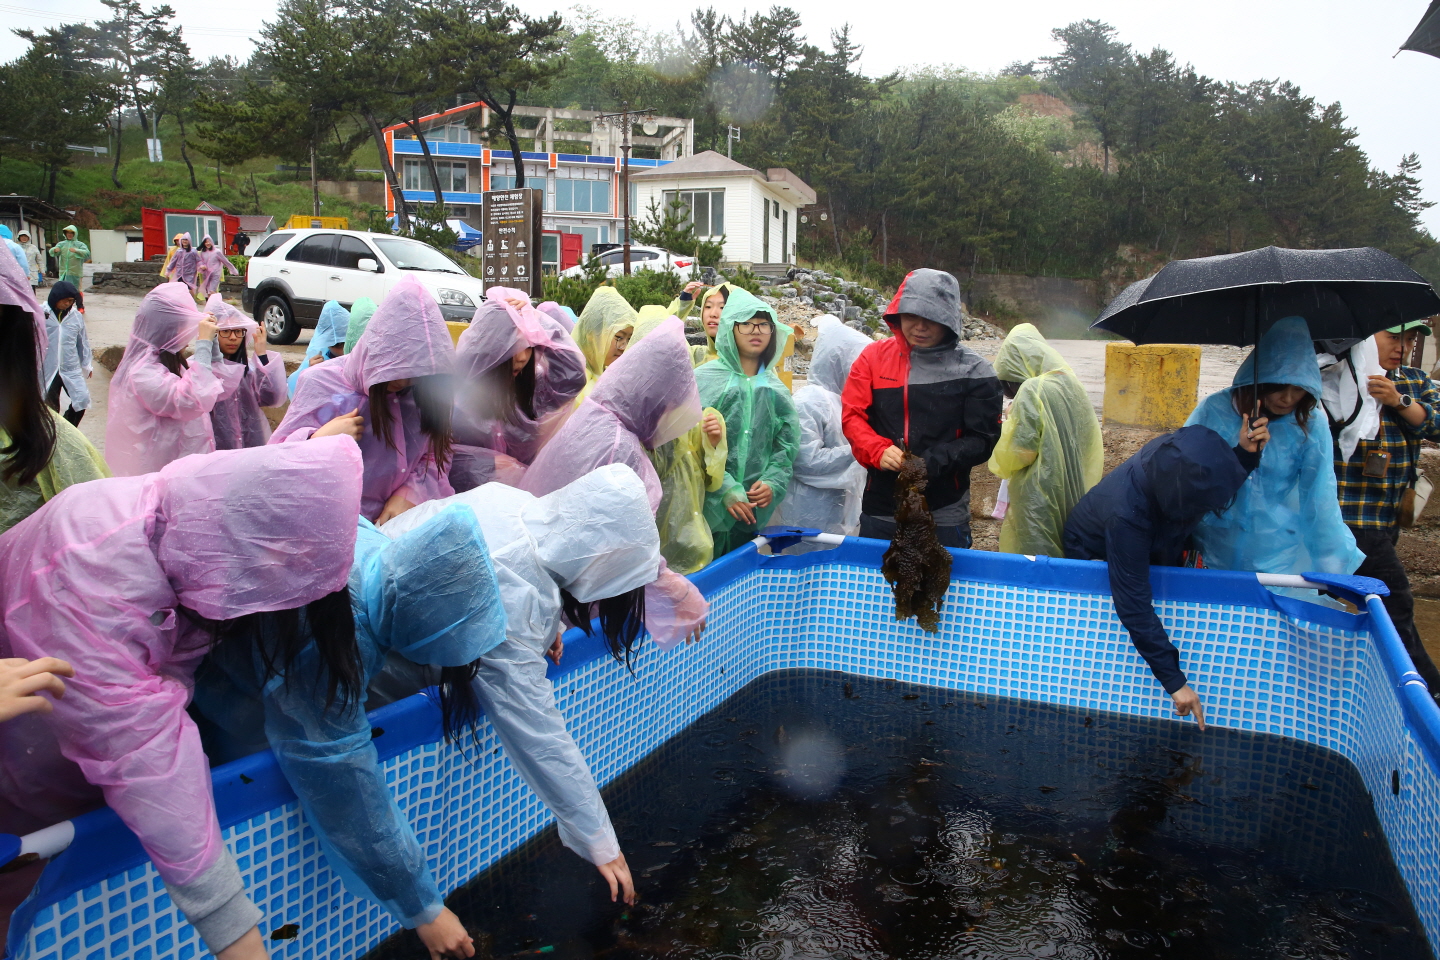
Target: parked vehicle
<point>291,275</point>
<point>641,258</point>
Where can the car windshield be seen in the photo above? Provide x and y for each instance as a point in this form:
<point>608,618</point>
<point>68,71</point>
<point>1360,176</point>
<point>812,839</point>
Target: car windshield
<point>413,255</point>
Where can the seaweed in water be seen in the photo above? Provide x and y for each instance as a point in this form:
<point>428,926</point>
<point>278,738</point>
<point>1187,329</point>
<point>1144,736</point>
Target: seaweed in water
<point>916,566</point>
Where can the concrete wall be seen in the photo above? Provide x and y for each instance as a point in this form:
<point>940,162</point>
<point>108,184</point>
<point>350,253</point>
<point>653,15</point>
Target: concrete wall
<point>356,191</point>
<point>1060,307</point>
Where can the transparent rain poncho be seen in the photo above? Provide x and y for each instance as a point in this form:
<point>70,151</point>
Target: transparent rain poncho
<point>497,444</point>
<point>154,416</point>
<point>560,313</point>
<point>213,265</point>
<point>98,577</point>
<point>827,482</point>
<point>329,333</point>
<point>428,596</point>
<point>75,460</point>
<point>69,356</point>
<point>360,313</point>
<point>596,538</point>
<point>70,255</point>
<point>688,467</point>
<point>250,382</point>
<point>761,426</point>
<point>1286,518</point>
<point>694,311</point>
<point>181,267</point>
<point>645,400</point>
<point>405,339</point>
<point>1050,447</point>
<point>607,314</point>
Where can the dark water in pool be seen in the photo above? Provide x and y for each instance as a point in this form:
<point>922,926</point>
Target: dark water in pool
<point>816,814</point>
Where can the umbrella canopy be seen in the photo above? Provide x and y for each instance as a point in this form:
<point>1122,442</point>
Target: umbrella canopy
<point>1426,36</point>
<point>1234,298</point>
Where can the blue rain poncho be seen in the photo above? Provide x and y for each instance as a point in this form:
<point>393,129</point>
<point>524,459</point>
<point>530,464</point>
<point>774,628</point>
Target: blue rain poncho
<point>1286,519</point>
<point>827,482</point>
<point>430,597</point>
<point>761,427</point>
<point>1050,448</point>
<point>330,332</point>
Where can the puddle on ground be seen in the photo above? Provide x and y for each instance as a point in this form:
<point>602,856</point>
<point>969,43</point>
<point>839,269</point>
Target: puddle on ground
<point>815,814</point>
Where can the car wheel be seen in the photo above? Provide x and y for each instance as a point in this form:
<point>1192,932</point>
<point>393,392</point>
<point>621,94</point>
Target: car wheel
<point>279,320</point>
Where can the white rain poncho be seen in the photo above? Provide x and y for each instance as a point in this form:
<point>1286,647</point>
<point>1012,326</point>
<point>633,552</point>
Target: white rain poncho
<point>827,482</point>
<point>428,596</point>
<point>1286,517</point>
<point>1050,448</point>
<point>1347,401</point>
<point>69,356</point>
<point>596,538</point>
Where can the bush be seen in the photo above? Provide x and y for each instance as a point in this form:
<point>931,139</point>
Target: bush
<point>672,230</point>
<point>238,262</point>
<point>743,278</point>
<point>575,292</point>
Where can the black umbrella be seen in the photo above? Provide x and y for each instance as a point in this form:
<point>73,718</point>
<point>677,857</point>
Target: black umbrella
<point>1235,298</point>
<point>1426,37</point>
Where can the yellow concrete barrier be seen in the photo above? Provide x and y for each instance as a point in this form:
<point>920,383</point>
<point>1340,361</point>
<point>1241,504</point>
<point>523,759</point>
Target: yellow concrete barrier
<point>1154,386</point>
<point>455,330</point>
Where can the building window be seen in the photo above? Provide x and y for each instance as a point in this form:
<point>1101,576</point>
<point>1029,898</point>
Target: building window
<point>705,209</point>
<point>452,173</point>
<point>582,196</point>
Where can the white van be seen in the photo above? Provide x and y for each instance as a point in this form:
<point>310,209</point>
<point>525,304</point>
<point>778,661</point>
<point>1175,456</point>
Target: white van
<point>293,273</point>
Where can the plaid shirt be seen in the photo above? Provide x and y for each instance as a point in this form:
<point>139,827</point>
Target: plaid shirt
<point>1372,501</point>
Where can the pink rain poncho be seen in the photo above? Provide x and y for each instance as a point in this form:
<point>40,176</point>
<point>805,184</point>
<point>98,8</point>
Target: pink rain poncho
<point>496,444</point>
<point>406,339</point>
<point>646,398</point>
<point>182,266</point>
<point>155,416</point>
<point>98,577</point>
<point>214,264</point>
<point>15,291</point>
<point>250,382</point>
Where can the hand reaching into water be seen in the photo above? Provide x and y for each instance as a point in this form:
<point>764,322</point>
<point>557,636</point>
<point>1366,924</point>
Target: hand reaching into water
<point>617,874</point>
<point>1187,703</point>
<point>445,937</point>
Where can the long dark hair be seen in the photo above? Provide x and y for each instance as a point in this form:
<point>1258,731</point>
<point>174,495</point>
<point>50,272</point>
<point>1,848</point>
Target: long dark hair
<point>280,636</point>
<point>1244,399</point>
<point>172,361</point>
<point>435,396</point>
<point>507,397</point>
<point>622,617</point>
<point>23,412</point>
<point>459,706</point>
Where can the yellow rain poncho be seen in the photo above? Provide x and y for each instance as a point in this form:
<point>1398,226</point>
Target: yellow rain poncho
<point>689,468</point>
<point>1050,446</point>
<point>75,460</point>
<point>607,314</point>
<point>762,428</point>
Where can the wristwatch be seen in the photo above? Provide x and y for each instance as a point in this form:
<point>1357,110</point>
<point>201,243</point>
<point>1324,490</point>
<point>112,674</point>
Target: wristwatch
<point>1406,400</point>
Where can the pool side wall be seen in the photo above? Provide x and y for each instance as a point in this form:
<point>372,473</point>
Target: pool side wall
<point>1038,630</point>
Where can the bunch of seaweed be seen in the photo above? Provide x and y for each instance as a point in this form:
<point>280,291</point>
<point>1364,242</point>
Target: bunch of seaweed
<point>916,566</point>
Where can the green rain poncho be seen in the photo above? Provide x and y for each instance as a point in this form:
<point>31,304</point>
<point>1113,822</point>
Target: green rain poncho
<point>360,313</point>
<point>1050,446</point>
<point>607,314</point>
<point>689,467</point>
<point>75,460</point>
<point>761,426</point>
<point>70,256</point>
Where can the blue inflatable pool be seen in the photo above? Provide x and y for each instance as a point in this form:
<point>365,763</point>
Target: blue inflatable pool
<point>1040,629</point>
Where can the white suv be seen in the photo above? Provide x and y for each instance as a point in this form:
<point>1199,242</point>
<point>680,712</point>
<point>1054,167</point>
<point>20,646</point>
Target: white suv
<point>293,273</point>
<point>641,258</point>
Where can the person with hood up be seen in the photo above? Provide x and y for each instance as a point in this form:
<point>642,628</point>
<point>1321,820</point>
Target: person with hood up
<point>519,374</point>
<point>213,265</point>
<point>428,598</point>
<point>7,240</point>
<point>592,541</point>
<point>34,262</point>
<point>1286,518</point>
<point>170,254</point>
<point>828,482</point>
<point>1143,513</point>
<point>924,392</point>
<point>131,580</point>
<point>603,332</point>
<point>394,396</point>
<point>250,382</point>
<point>761,427</point>
<point>360,313</point>
<point>1050,451</point>
<point>40,454</point>
<point>711,301</point>
<point>70,255</point>
<point>184,265</point>
<point>325,341</point>
<point>560,313</point>
<point>68,361</point>
<point>688,467</point>
<point>160,402</point>
<point>645,400</point>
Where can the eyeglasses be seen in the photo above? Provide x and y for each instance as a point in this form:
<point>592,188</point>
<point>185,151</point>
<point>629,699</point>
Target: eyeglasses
<point>761,326</point>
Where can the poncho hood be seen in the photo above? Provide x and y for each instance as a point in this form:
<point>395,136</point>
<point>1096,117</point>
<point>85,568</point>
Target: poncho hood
<point>1025,355</point>
<point>15,292</point>
<point>360,313</point>
<point>406,338</point>
<point>836,347</point>
<point>741,307</point>
<point>605,314</point>
<point>498,330</point>
<point>167,319</point>
<point>226,316</point>
<point>1287,355</point>
<point>651,388</point>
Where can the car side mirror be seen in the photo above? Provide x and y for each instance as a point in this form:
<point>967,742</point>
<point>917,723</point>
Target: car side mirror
<point>368,264</point>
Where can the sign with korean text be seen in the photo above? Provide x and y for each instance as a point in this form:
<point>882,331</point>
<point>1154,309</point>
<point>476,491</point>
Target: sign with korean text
<point>510,251</point>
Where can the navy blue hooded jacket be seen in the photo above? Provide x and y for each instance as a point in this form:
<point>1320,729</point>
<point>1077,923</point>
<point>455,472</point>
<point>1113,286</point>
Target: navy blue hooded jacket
<point>1142,514</point>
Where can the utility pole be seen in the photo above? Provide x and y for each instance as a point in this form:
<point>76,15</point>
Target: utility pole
<point>314,183</point>
<point>626,118</point>
<point>732,135</point>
